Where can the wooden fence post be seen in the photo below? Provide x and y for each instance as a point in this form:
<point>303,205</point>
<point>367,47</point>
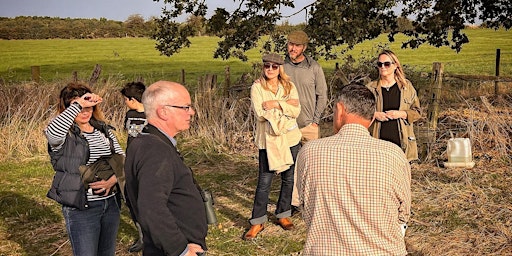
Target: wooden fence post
<point>496,82</point>
<point>206,83</point>
<point>210,82</point>
<point>95,74</point>
<point>227,81</point>
<point>36,73</point>
<point>437,83</point>
<point>183,76</point>
<point>75,76</point>
<point>427,134</point>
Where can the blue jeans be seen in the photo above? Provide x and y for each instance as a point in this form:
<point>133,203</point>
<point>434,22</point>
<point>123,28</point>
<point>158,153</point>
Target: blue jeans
<point>283,208</point>
<point>93,232</point>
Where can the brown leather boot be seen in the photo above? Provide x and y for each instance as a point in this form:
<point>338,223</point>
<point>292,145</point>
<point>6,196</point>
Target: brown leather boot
<point>253,231</point>
<point>285,223</point>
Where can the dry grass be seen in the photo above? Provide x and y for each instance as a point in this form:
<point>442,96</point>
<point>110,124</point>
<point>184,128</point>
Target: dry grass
<point>476,113</point>
<point>455,211</point>
<point>27,109</point>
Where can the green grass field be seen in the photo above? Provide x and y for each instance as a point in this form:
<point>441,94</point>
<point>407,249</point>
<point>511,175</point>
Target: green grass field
<point>128,58</point>
<point>123,59</point>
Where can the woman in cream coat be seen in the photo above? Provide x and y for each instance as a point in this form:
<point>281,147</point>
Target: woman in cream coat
<point>275,101</point>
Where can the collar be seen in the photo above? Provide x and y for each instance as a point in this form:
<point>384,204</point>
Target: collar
<point>172,139</point>
<point>151,129</point>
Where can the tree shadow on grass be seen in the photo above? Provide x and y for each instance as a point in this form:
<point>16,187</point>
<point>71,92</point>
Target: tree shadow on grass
<point>233,190</point>
<point>38,230</point>
<point>232,194</point>
<point>30,224</point>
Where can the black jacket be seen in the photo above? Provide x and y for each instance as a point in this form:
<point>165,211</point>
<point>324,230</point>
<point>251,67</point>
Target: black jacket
<point>67,187</point>
<point>163,195</point>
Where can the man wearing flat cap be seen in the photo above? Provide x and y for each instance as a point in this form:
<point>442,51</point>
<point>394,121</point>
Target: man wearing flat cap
<point>309,78</point>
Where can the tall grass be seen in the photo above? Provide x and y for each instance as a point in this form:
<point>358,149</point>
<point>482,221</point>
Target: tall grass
<point>225,122</point>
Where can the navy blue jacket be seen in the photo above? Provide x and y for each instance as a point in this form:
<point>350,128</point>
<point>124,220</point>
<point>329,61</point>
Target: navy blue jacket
<point>67,187</point>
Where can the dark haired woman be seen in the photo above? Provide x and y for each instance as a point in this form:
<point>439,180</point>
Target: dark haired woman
<point>398,106</point>
<point>78,138</point>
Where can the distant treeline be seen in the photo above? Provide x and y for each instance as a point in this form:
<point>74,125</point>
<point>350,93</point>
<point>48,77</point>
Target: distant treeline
<point>34,27</point>
<point>24,27</point>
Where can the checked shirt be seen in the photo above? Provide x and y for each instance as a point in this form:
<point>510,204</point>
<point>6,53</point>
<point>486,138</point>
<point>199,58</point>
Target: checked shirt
<point>355,190</point>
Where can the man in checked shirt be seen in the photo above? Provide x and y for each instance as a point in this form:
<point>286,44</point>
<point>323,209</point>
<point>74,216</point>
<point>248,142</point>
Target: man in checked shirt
<point>355,190</point>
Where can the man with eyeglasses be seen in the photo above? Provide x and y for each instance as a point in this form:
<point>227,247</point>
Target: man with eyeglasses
<point>309,78</point>
<point>161,188</point>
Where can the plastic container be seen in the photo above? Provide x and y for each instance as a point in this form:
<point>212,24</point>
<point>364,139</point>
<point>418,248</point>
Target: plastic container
<point>459,153</point>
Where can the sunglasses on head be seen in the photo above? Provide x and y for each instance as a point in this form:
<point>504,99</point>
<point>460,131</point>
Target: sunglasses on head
<point>386,64</point>
<point>268,65</point>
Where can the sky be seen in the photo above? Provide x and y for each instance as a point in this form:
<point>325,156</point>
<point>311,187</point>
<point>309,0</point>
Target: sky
<point>118,10</point>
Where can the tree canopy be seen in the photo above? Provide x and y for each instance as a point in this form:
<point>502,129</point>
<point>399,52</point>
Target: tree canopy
<point>330,23</point>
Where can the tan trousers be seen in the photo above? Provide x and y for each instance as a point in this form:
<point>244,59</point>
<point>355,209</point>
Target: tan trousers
<point>309,133</point>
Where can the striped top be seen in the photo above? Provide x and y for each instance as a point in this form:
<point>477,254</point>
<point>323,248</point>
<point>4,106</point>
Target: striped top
<point>99,144</point>
<point>355,190</point>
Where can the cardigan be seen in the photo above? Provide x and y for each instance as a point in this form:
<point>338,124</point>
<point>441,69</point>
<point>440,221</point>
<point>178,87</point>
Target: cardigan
<point>163,195</point>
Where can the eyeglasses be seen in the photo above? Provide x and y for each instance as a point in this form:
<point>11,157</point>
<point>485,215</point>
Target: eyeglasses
<point>186,108</point>
<point>386,64</point>
<point>269,65</point>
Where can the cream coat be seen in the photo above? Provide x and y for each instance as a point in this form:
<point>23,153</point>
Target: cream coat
<point>288,132</point>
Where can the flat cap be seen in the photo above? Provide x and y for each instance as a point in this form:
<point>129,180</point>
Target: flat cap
<point>298,37</point>
<point>274,58</point>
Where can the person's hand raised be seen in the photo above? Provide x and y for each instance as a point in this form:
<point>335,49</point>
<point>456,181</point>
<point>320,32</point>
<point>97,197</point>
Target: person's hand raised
<point>88,100</point>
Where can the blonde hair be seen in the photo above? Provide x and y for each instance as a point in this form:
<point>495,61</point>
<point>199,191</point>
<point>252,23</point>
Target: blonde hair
<point>283,78</point>
<point>399,72</point>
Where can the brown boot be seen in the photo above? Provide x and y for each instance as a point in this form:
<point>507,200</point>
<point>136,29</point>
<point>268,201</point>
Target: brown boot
<point>285,223</point>
<point>253,231</point>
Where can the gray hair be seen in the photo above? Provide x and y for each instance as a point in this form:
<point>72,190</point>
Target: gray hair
<point>358,100</point>
<point>159,93</point>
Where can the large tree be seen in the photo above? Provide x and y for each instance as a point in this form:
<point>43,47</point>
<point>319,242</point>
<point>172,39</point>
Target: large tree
<point>331,23</point>
<point>135,25</point>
